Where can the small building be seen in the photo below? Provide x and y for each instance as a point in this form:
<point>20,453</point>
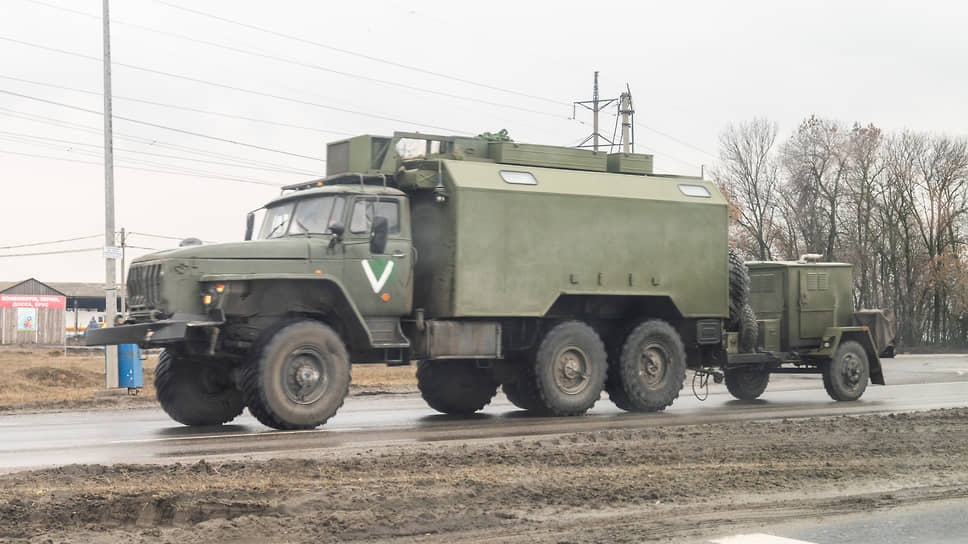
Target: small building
<point>83,302</point>
<point>32,312</point>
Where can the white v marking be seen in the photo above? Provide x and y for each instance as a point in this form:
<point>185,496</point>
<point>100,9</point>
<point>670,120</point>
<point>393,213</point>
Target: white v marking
<point>375,283</point>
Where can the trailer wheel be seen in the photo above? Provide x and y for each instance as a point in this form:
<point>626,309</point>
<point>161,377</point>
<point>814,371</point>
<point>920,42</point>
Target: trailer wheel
<point>653,366</point>
<point>748,330</point>
<point>455,387</point>
<point>569,369</point>
<point>298,378</point>
<point>845,376</point>
<point>739,288</point>
<point>194,392</point>
<point>746,384</point>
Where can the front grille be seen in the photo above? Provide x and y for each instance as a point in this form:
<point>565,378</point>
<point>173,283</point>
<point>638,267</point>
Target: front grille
<point>144,286</point>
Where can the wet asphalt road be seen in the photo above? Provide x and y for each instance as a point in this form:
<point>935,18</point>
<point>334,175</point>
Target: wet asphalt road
<point>148,436</point>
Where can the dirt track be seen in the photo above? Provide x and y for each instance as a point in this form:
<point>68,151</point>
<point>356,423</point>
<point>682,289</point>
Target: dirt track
<point>622,486</point>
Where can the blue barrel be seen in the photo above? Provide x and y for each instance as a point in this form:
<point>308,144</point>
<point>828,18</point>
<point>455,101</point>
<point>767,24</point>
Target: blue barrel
<point>129,365</point>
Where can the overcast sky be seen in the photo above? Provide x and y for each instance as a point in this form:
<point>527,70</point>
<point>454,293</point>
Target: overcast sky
<point>693,68</point>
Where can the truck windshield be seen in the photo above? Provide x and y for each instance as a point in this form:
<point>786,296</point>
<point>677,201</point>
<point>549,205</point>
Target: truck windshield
<point>308,216</point>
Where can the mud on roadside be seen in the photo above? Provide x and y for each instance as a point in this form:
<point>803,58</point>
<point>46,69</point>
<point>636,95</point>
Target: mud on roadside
<point>628,485</point>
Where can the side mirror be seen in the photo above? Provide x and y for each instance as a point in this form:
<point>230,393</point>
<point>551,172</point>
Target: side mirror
<point>378,235</point>
<point>249,225</point>
<point>337,229</point>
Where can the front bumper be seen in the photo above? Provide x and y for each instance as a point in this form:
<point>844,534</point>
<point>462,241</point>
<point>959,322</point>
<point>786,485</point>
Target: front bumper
<point>166,331</point>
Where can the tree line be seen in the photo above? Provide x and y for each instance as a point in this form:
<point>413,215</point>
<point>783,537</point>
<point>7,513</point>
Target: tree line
<point>895,205</point>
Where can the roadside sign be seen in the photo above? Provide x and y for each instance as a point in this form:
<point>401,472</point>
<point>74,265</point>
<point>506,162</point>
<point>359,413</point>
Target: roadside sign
<point>111,252</point>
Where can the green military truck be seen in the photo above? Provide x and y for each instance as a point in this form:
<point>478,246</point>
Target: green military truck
<point>552,273</point>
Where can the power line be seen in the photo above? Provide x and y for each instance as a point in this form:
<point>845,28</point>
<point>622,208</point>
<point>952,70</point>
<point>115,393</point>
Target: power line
<point>368,57</point>
<point>60,252</point>
<point>301,64</point>
<point>148,153</point>
<point>233,87</point>
<point>183,108</point>
<point>145,141</point>
<point>406,66</point>
<point>673,138</point>
<point>32,244</point>
<point>163,127</point>
<point>154,170</point>
<point>362,55</point>
<point>167,168</point>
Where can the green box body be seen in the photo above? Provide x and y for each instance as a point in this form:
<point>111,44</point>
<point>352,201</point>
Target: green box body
<point>503,249</point>
<point>362,154</point>
<point>630,163</point>
<point>548,156</point>
<point>768,336</point>
<point>806,299</point>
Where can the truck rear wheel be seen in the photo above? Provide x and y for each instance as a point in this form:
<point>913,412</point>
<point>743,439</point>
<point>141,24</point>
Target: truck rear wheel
<point>521,395</point>
<point>298,378</point>
<point>652,366</point>
<point>613,381</point>
<point>194,392</point>
<point>569,369</point>
<point>745,383</point>
<point>845,376</point>
<point>455,387</point>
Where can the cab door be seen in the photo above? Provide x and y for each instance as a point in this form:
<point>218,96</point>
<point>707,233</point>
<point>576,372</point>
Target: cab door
<point>312,219</point>
<point>381,283</point>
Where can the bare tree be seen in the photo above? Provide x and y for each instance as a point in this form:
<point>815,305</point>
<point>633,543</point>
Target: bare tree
<point>940,198</point>
<point>902,251</point>
<point>816,168</point>
<point>749,173</point>
<point>863,191</point>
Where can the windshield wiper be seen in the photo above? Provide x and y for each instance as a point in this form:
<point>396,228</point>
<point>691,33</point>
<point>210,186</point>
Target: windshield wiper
<point>274,229</point>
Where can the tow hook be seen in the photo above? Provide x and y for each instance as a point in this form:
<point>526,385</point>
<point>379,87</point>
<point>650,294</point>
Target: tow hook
<point>700,381</point>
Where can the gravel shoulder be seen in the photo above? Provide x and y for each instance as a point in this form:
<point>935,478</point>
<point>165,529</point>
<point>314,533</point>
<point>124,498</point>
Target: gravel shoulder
<point>658,484</point>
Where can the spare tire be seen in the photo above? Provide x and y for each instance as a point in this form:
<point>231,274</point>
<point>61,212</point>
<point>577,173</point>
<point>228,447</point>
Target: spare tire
<point>748,330</point>
<point>739,289</point>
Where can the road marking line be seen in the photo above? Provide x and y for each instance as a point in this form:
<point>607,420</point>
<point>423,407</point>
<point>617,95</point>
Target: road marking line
<point>758,538</point>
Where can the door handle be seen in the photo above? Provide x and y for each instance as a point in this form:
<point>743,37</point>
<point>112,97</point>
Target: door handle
<point>398,254</point>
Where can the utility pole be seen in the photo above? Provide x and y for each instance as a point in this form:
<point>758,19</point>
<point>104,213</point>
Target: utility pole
<point>124,286</point>
<point>110,250</point>
<point>628,120</point>
<point>596,105</point>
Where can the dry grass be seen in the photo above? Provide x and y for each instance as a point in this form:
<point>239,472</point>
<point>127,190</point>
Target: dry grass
<point>378,375</point>
<point>46,377</point>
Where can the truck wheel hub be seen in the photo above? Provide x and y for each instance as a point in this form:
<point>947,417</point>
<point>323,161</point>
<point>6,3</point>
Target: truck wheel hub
<point>652,364</point>
<point>571,371</point>
<point>304,376</point>
<point>852,370</point>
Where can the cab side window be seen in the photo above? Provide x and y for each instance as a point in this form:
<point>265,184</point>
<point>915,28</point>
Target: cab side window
<point>365,210</point>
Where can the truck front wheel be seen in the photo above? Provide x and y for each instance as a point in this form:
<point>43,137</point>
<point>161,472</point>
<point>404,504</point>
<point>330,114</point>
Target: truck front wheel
<point>652,366</point>
<point>746,384</point>
<point>298,378</point>
<point>569,369</point>
<point>455,387</point>
<point>195,392</point>
<point>845,376</point>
